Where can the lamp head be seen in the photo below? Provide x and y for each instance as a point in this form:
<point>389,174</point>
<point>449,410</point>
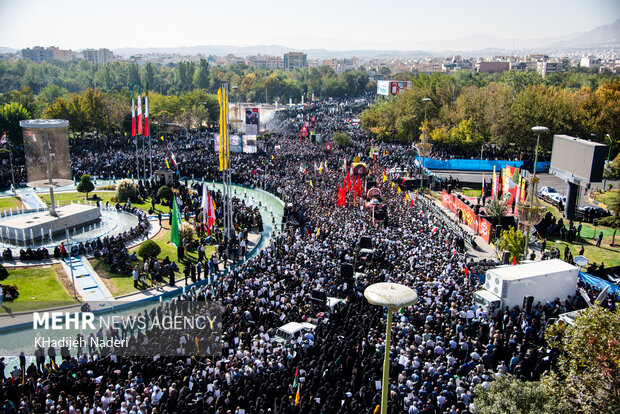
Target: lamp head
<point>540,129</point>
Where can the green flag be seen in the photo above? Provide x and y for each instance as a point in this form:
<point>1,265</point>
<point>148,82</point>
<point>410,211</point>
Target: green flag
<point>176,223</point>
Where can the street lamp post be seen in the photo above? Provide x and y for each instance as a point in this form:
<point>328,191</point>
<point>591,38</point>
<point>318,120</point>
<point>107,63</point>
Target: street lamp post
<point>425,147</point>
<point>393,296</point>
<point>608,158</point>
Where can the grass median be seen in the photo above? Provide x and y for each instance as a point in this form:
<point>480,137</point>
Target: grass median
<point>39,287</point>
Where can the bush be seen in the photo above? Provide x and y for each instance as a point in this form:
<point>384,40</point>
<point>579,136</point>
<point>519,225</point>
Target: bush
<point>149,249</point>
<point>165,192</point>
<point>10,292</point>
<point>107,187</point>
<point>126,189</point>
<point>341,139</point>
<point>3,272</point>
<point>186,232</point>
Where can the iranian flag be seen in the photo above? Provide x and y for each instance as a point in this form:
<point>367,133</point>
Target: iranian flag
<point>146,112</point>
<point>173,158</point>
<point>133,113</point>
<point>210,212</point>
<point>139,111</point>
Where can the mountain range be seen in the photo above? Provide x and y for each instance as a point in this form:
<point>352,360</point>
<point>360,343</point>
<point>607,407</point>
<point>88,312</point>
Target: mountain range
<point>475,45</point>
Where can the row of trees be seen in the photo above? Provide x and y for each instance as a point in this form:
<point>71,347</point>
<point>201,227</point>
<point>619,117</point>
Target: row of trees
<point>98,112</point>
<point>53,79</point>
<point>466,115</point>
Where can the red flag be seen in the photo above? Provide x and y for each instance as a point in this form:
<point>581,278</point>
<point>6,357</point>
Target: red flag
<point>349,185</point>
<point>411,203</point>
<point>514,261</point>
<point>403,183</point>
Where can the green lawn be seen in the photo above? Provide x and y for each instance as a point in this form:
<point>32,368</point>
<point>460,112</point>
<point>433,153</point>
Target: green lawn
<point>10,202</point>
<point>39,288</point>
<point>606,253</point>
<point>67,198</point>
<point>470,192</point>
<point>605,197</point>
<point>120,284</point>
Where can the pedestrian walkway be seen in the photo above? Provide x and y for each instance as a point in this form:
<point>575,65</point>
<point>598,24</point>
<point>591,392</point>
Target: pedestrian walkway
<point>86,281</point>
<point>31,200</point>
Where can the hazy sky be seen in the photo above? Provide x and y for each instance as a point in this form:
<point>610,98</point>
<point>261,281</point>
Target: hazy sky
<point>329,24</point>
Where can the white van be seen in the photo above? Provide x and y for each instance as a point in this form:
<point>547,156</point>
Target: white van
<point>293,331</point>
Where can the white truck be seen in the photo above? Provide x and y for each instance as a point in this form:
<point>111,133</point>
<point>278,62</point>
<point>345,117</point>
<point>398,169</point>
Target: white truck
<point>507,286</point>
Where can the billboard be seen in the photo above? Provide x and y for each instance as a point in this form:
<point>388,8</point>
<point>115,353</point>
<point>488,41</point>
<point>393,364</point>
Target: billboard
<point>383,87</point>
<point>252,119</point>
<point>577,159</point>
<point>234,141</point>
<point>249,144</point>
<point>390,87</point>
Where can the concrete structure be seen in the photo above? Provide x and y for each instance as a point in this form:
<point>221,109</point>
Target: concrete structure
<point>22,229</point>
<point>545,68</point>
<point>590,62</point>
<point>266,62</point>
<point>39,54</point>
<point>295,60</point>
<point>492,67</point>
<point>98,56</point>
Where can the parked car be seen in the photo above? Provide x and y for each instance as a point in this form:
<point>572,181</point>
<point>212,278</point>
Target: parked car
<point>547,192</point>
<point>591,212</point>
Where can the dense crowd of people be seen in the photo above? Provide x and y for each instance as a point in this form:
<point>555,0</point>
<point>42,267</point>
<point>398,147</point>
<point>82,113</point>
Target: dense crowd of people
<point>441,348</point>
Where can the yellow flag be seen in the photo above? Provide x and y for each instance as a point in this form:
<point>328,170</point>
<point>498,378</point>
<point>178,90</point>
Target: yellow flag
<point>167,164</point>
<point>393,184</point>
<point>317,232</point>
<point>398,191</point>
<point>162,137</point>
<point>223,152</point>
<point>406,196</point>
<point>384,177</point>
<point>311,185</point>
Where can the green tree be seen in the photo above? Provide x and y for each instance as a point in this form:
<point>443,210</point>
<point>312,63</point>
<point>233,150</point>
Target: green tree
<point>165,193</point>
<point>10,115</point>
<point>613,221</point>
<point>510,395</point>
<point>512,241</point>
<point>202,76</point>
<point>341,139</point>
<point>496,208</point>
<point>588,369</point>
<point>149,249</point>
<point>85,185</point>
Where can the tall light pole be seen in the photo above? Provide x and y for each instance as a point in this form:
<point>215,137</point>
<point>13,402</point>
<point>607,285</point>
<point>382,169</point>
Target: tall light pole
<point>608,158</point>
<point>393,296</point>
<point>425,147</point>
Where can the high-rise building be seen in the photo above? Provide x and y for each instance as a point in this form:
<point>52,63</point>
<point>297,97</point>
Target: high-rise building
<point>295,60</point>
<point>98,56</point>
<point>38,54</point>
